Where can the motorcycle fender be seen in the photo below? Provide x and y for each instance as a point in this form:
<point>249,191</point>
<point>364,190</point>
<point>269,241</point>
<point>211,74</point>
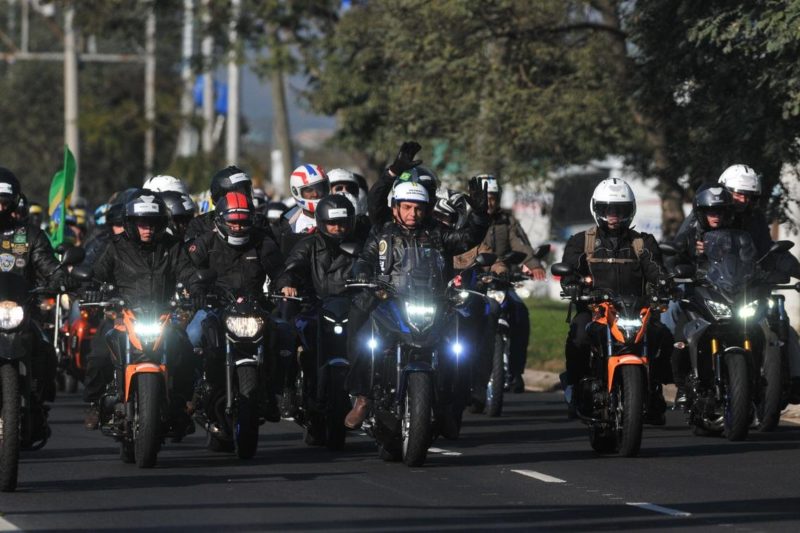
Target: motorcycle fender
<point>337,362</point>
<point>618,360</point>
<point>13,347</point>
<point>411,368</point>
<point>141,368</point>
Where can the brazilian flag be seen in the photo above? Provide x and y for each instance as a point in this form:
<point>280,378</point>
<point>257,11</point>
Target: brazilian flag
<point>60,194</point>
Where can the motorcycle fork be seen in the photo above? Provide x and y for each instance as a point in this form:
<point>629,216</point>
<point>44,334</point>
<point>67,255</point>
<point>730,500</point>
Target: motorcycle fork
<point>229,367</point>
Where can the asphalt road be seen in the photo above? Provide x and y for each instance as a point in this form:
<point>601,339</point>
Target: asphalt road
<point>530,470</point>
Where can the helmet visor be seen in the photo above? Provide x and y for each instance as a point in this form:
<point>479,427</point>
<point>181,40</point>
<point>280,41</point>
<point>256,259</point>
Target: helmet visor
<point>345,186</point>
<point>315,191</point>
<point>622,210</point>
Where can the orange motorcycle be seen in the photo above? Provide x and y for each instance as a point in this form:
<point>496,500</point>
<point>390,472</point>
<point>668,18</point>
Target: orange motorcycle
<point>612,398</point>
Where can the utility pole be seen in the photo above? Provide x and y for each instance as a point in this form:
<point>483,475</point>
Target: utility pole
<point>280,131</point>
<point>71,137</point>
<point>234,82</point>
<point>207,50</point>
<point>185,137</point>
<point>150,90</point>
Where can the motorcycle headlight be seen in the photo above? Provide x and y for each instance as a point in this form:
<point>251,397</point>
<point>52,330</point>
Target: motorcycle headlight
<point>629,326</point>
<point>11,315</point>
<point>498,296</point>
<point>748,311</point>
<point>244,327</point>
<point>719,309</point>
<point>147,332</point>
<point>420,316</point>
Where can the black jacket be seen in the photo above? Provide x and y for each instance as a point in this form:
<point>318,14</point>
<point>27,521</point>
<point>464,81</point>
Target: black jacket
<point>239,269</point>
<point>378,198</point>
<point>625,279</point>
<point>199,225</point>
<point>751,221</point>
<point>317,264</point>
<point>96,246</point>
<point>26,250</point>
<point>143,274</point>
<point>395,239</point>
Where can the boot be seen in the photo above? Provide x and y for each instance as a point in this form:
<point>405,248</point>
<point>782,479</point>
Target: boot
<point>358,413</point>
<point>517,384</point>
<point>92,418</point>
<point>794,391</point>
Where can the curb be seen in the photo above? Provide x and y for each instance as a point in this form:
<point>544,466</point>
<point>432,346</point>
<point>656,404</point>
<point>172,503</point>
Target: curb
<point>542,381</point>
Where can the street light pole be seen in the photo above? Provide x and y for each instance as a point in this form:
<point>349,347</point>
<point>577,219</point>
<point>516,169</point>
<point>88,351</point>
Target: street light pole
<point>71,138</point>
<point>150,91</point>
<point>234,79</point>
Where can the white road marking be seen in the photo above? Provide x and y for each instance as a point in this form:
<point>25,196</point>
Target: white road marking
<point>443,452</point>
<point>539,476</point>
<point>658,509</point>
<point>5,525</point>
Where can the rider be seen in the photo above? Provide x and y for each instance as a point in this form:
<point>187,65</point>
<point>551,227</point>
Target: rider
<point>144,264</point>
<point>26,251</point>
<point>228,179</point>
<point>182,210</point>
<point>242,255</point>
<point>505,235</point>
<point>309,184</point>
<point>411,227</point>
<point>619,259</point>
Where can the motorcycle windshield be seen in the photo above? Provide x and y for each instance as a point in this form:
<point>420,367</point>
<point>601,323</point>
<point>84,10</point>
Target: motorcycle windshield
<point>13,287</point>
<point>419,272</point>
<point>731,259</point>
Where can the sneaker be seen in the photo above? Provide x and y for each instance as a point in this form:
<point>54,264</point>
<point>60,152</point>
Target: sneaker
<point>91,420</point>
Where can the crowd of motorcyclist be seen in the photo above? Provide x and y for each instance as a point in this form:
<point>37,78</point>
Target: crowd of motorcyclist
<point>147,241</point>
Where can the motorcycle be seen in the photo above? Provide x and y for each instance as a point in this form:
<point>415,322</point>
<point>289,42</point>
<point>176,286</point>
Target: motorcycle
<point>735,356</point>
<point>16,386</point>
<point>140,407</point>
<point>229,410</point>
<point>611,399</point>
<point>415,374</point>
<point>322,400</point>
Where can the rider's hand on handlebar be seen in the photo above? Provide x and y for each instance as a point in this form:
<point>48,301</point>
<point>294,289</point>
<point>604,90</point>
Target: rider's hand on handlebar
<point>362,277</point>
<point>199,300</point>
<point>289,291</point>
<point>572,290</point>
<point>538,273</point>
<point>92,297</point>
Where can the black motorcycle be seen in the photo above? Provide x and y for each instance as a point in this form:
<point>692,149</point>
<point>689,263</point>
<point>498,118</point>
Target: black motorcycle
<point>230,397</point>
<point>17,416</point>
<point>323,401</point>
<point>415,377</point>
<point>729,336</point>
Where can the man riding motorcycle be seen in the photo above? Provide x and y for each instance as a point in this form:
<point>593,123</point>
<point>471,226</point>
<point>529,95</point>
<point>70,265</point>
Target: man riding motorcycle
<point>505,235</point>
<point>144,265</point>
<point>309,184</point>
<point>182,210</point>
<point>411,227</point>
<point>26,251</point>
<point>228,179</point>
<point>242,256</point>
<point>619,259</point>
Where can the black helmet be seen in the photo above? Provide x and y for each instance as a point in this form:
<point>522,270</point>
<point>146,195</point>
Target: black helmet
<point>235,207</point>
<point>145,205</point>
<point>335,209</point>
<point>425,177</point>
<point>115,215</point>
<point>181,207</point>
<point>260,199</point>
<point>9,193</point>
<point>275,210</point>
<point>713,198</point>
<point>229,179</point>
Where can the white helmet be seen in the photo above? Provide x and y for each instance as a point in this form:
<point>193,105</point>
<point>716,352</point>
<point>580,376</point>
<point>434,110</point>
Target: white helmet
<point>741,179</point>
<point>345,177</point>
<point>164,183</point>
<point>309,177</point>
<point>409,191</point>
<point>353,200</point>
<point>613,192</point>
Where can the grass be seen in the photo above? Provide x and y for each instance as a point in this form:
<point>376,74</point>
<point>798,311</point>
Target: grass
<point>548,332</point>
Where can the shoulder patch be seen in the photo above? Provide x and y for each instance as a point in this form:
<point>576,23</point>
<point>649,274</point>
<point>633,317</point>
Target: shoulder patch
<point>382,246</point>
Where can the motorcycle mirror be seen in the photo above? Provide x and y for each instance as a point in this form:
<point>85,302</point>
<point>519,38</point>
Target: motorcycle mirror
<point>781,246</point>
<point>348,247</point>
<point>667,248</point>
<point>82,273</point>
<point>684,271</point>
<point>485,259</point>
<point>72,255</point>
<point>561,269</point>
<point>515,258</point>
<point>542,251</point>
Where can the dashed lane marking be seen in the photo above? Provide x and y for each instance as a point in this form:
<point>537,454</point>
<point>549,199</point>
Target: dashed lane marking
<point>443,452</point>
<point>539,476</point>
<point>5,525</point>
<point>658,509</point>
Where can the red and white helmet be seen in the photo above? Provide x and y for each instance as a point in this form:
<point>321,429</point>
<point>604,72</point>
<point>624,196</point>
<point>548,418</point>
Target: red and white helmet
<point>309,184</point>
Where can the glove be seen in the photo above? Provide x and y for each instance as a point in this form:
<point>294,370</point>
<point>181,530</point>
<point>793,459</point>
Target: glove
<point>199,300</point>
<point>92,297</point>
<point>572,290</point>
<point>405,158</point>
<point>362,277</point>
<point>480,203</point>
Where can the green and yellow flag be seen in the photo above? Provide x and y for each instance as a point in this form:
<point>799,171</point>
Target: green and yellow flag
<point>60,195</point>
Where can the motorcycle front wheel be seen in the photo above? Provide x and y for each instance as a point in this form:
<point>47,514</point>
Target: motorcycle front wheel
<point>630,401</point>
<point>337,408</point>
<point>9,427</point>
<point>147,419</point>
<point>245,426</point>
<point>769,406</point>
<point>737,396</point>
<point>495,389</point>
<point>416,425</point>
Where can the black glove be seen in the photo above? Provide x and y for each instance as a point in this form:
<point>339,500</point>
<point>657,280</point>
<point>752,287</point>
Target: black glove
<point>480,203</point>
<point>573,290</point>
<point>362,277</point>
<point>92,296</point>
<point>405,158</point>
<point>199,300</point>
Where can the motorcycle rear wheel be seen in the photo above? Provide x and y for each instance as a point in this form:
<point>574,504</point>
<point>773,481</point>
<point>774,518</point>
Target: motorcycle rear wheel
<point>245,426</point>
<point>769,408</point>
<point>10,429</point>
<point>147,419</point>
<point>416,425</point>
<point>737,397</point>
<point>496,386</point>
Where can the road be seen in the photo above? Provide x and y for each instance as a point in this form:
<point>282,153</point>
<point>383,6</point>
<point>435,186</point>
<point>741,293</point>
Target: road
<point>530,470</point>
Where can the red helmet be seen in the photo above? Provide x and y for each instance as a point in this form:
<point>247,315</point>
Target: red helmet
<point>235,208</point>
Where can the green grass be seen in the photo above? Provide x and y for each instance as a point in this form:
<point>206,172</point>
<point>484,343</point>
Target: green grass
<point>548,332</point>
